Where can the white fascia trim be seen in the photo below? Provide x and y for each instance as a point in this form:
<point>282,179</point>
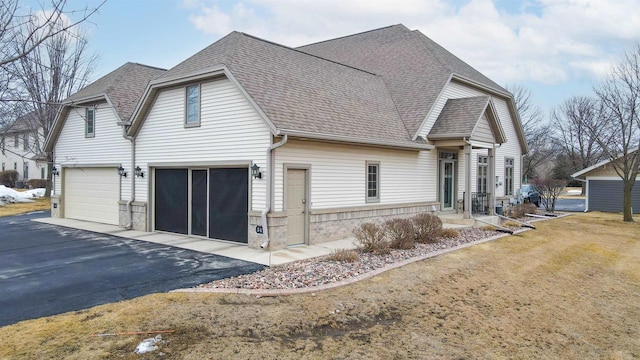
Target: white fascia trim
<point>604,178</point>
<point>603,162</point>
<point>424,121</point>
<point>347,139</point>
<point>244,92</point>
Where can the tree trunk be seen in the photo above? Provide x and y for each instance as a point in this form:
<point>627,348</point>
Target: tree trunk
<point>47,191</point>
<point>628,186</point>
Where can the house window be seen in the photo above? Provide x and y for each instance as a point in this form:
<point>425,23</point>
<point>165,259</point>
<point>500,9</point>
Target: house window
<point>90,123</point>
<point>192,111</point>
<point>483,173</point>
<point>373,181</point>
<point>41,173</point>
<point>15,166</point>
<point>25,171</point>
<point>508,176</point>
<point>16,142</point>
<point>2,166</point>
<point>25,141</point>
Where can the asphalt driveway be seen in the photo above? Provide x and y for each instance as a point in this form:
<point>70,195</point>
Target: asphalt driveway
<point>47,269</point>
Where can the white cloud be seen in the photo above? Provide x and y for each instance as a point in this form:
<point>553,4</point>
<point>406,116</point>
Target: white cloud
<point>545,41</point>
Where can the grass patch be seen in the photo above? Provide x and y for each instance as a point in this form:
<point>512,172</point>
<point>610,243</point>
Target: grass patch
<point>567,290</point>
<point>38,204</point>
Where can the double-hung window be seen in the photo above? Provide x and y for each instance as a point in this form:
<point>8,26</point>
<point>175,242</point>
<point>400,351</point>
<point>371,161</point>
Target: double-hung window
<point>90,122</point>
<point>373,181</point>
<point>16,141</point>
<point>25,141</point>
<point>483,173</point>
<point>192,108</point>
<point>508,176</point>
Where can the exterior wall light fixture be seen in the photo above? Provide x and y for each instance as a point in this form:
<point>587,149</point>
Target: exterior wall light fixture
<point>255,171</point>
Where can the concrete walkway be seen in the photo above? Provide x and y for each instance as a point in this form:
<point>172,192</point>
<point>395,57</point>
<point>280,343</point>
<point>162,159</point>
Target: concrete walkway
<point>210,246</point>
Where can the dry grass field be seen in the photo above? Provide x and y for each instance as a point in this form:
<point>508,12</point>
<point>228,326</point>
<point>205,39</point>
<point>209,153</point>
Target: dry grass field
<point>569,290</point>
<point>20,208</point>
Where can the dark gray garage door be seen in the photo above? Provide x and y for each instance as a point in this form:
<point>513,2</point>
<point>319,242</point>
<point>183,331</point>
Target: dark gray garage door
<point>607,195</point>
<point>219,202</point>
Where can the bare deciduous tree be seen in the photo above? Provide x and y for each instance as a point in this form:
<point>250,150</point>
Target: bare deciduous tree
<point>620,98</point>
<point>536,131</point>
<point>51,72</point>
<point>573,122</point>
<point>24,29</point>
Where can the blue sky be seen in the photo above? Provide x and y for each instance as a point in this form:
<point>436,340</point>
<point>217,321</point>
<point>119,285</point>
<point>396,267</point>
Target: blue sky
<point>557,48</point>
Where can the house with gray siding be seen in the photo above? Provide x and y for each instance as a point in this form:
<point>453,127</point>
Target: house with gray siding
<point>605,189</point>
<point>250,141</point>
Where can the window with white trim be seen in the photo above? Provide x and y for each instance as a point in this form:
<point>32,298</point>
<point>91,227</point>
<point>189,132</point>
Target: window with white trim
<point>16,141</point>
<point>25,171</point>
<point>25,141</point>
<point>373,181</point>
<point>192,107</point>
<point>508,176</point>
<point>90,122</point>
<point>483,174</point>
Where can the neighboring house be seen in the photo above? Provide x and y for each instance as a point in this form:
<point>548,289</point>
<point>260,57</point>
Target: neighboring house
<point>605,190</point>
<point>19,144</point>
<point>254,142</point>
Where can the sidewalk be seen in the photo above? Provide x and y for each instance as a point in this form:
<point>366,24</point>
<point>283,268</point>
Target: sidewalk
<point>210,246</point>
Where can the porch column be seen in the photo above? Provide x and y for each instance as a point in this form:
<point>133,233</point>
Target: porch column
<point>491,181</point>
<point>467,181</point>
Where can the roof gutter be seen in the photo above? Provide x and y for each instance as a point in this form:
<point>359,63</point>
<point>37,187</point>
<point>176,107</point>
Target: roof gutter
<point>269,190</point>
<point>347,139</point>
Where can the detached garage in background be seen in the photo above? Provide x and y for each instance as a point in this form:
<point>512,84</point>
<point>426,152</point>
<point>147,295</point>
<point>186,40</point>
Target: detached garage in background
<point>605,189</point>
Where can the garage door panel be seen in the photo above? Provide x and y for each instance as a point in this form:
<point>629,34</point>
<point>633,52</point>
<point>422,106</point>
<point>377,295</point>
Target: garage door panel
<point>228,204</point>
<point>171,205</point>
<point>92,194</point>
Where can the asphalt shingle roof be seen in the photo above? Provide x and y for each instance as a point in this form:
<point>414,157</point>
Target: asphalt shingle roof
<point>459,116</point>
<point>302,92</point>
<point>414,68</point>
<point>124,87</point>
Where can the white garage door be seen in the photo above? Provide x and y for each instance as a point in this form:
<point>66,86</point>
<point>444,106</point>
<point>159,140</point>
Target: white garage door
<point>92,194</point>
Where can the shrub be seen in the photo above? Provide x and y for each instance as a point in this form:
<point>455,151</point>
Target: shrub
<point>8,178</point>
<point>519,210</point>
<point>343,255</point>
<point>426,227</point>
<point>400,234</point>
<point>449,233</point>
<point>371,238</point>
<point>510,223</point>
<point>37,183</point>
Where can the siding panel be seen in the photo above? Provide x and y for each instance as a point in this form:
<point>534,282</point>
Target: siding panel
<point>608,195</point>
<point>338,174</point>
<point>230,131</point>
<point>107,147</point>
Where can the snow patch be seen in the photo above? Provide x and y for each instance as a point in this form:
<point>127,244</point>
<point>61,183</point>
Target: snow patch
<point>148,345</point>
<point>8,195</point>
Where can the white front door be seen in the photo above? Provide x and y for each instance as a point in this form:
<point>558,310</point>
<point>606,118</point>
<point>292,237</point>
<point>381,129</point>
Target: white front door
<point>447,184</point>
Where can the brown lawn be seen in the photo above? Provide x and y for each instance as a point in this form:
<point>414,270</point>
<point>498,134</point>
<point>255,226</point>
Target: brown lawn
<point>569,290</point>
<point>21,208</point>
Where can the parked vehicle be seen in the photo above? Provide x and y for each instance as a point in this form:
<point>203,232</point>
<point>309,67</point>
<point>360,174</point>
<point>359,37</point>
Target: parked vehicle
<point>529,194</point>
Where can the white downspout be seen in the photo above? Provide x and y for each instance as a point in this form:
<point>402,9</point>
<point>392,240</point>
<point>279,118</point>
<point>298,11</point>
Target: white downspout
<point>129,225</point>
<point>269,192</point>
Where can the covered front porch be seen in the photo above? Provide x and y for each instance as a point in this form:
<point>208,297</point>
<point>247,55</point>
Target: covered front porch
<point>466,135</point>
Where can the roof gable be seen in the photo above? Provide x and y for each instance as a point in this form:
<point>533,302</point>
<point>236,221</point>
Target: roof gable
<point>123,87</point>
<point>472,118</point>
<point>415,68</point>
<point>298,92</point>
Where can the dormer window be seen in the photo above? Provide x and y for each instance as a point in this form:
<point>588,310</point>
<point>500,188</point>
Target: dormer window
<point>90,123</point>
<point>192,106</point>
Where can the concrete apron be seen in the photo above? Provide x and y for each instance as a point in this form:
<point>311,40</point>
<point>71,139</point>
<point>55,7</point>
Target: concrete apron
<point>210,246</point>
